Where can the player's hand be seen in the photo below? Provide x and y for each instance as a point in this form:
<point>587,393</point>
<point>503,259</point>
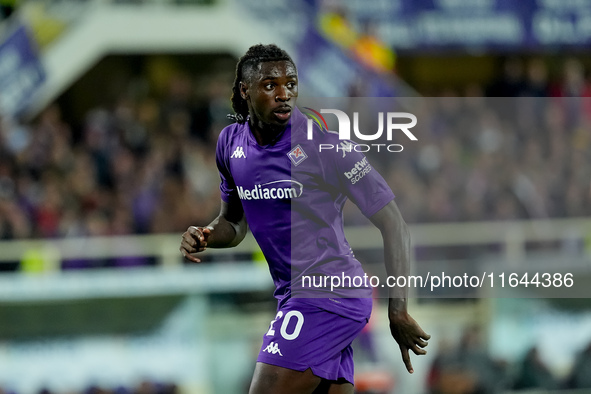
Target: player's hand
<point>194,240</point>
<point>409,335</point>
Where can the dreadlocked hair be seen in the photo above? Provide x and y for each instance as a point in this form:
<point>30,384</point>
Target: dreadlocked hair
<point>255,55</point>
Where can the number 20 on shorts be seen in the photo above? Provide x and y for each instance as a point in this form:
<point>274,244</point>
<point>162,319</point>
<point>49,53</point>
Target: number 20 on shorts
<point>283,330</point>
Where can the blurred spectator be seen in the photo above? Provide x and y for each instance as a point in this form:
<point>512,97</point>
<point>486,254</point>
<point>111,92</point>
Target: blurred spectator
<point>445,377</point>
<point>7,8</point>
<point>510,82</point>
<point>534,374</point>
<point>574,93</point>
<point>536,79</point>
<point>580,376</point>
<point>143,387</point>
<point>465,369</point>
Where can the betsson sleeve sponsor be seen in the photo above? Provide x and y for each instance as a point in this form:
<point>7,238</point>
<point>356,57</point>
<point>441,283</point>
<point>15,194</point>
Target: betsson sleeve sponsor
<point>357,179</point>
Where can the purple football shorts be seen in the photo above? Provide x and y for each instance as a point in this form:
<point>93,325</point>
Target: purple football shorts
<point>304,336</point>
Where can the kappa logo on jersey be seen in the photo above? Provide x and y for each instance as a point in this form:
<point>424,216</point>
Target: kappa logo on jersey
<point>238,153</point>
<point>361,169</point>
<point>275,190</point>
<point>297,155</point>
<point>273,348</point>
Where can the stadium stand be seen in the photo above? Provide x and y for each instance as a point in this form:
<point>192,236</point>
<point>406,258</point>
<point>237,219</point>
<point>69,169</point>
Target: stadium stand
<point>119,145</point>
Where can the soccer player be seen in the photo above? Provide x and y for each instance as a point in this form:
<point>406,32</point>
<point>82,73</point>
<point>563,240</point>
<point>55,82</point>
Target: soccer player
<point>292,197</point>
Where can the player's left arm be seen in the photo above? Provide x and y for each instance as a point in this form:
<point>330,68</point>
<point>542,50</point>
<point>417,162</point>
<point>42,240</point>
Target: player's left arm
<point>367,189</point>
<point>405,330</point>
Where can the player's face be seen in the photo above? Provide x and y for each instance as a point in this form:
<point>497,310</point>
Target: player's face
<point>271,93</point>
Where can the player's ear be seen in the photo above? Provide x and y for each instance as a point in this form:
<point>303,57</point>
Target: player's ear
<point>243,90</point>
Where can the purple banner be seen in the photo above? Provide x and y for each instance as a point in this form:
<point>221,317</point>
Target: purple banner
<point>21,72</point>
<point>448,24</point>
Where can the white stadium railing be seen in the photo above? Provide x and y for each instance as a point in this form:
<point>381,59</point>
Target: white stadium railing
<point>512,236</point>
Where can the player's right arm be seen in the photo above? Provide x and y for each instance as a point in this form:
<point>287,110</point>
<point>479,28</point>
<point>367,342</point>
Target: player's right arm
<point>227,230</point>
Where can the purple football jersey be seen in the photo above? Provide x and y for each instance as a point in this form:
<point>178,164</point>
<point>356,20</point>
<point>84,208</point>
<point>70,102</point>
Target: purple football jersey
<point>293,196</point>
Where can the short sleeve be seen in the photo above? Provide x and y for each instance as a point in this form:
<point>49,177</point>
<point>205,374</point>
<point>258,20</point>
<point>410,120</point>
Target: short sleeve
<point>358,180</point>
<point>227,185</point>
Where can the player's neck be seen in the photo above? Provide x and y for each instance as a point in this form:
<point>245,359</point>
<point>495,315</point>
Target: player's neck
<point>265,134</point>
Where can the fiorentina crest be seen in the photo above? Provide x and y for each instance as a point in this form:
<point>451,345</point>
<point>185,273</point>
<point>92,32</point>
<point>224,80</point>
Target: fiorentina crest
<point>297,155</point>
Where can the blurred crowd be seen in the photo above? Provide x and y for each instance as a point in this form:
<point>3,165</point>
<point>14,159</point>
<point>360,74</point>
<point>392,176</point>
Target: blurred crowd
<point>467,368</point>
<point>144,387</point>
<point>142,166</point>
<point>516,149</point>
<point>145,164</point>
